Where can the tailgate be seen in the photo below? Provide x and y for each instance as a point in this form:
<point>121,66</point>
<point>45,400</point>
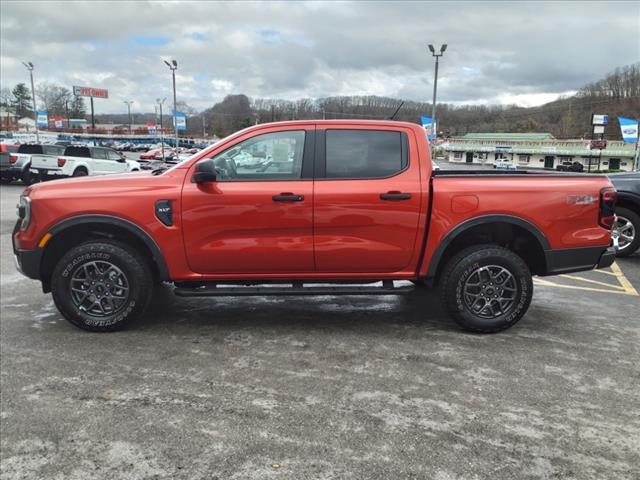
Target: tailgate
<point>44,162</point>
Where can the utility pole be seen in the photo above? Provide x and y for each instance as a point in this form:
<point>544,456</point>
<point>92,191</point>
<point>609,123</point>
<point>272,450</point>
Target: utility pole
<point>129,102</point>
<point>435,84</point>
<point>66,109</point>
<point>29,66</point>
<point>160,102</point>
<point>173,66</point>
<point>204,132</point>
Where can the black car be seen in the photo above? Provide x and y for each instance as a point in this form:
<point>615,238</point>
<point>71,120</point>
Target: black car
<point>627,226</point>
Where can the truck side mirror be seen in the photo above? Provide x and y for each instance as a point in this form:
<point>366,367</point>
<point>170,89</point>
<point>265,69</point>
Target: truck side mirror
<point>205,172</point>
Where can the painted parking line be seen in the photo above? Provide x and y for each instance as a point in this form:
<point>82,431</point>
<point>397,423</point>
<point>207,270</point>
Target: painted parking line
<point>622,286</point>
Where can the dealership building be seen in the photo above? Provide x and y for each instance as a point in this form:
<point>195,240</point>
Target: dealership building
<point>535,150</point>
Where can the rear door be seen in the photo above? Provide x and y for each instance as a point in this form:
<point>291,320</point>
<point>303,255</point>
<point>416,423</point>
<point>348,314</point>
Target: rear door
<point>367,200</point>
<point>257,217</point>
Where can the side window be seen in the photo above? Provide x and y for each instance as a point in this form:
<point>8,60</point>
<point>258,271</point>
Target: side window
<point>98,153</point>
<point>111,155</point>
<point>272,156</point>
<point>365,153</point>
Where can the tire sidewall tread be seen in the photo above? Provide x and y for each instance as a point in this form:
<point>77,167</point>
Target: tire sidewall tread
<point>124,257</point>
<point>462,265</point>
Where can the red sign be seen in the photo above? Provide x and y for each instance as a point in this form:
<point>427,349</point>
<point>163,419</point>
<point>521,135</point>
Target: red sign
<point>598,144</point>
<point>91,92</point>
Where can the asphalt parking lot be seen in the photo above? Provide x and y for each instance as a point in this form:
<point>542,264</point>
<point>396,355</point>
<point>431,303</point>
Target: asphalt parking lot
<point>322,387</point>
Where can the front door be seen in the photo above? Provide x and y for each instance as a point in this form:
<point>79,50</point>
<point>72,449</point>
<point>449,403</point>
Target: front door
<point>257,217</point>
<point>469,157</point>
<point>614,164</point>
<point>368,201</point>
<point>548,162</point>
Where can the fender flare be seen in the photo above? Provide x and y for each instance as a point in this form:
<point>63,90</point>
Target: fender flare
<point>436,258</point>
<point>150,243</point>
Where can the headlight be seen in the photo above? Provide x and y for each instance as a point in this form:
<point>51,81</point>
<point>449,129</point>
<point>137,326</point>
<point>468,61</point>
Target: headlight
<point>24,212</point>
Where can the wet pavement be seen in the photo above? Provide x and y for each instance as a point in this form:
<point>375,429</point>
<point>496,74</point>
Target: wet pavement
<point>322,387</point>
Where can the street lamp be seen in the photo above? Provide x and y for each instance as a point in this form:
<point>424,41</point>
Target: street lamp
<point>160,102</point>
<point>129,102</point>
<point>173,66</point>
<point>29,66</point>
<point>435,83</point>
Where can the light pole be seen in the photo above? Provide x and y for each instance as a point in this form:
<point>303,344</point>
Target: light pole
<point>173,66</point>
<point>435,85</point>
<point>160,102</point>
<point>129,102</point>
<point>29,66</point>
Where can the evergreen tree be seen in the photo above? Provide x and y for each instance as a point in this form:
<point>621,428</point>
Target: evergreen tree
<point>21,101</point>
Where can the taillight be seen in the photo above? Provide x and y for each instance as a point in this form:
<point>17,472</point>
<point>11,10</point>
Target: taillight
<point>61,162</point>
<point>607,213</point>
<point>13,159</point>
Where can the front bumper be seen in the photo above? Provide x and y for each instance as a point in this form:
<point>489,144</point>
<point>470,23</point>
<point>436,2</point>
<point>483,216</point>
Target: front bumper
<point>27,261</point>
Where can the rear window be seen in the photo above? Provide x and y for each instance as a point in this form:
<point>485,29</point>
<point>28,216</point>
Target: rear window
<point>52,149</point>
<point>76,152</point>
<point>30,149</point>
<point>365,153</point>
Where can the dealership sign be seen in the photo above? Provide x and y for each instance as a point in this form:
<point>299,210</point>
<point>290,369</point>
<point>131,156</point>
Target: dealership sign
<point>180,120</point>
<point>629,129</point>
<point>90,92</point>
<point>599,119</point>
<point>41,118</point>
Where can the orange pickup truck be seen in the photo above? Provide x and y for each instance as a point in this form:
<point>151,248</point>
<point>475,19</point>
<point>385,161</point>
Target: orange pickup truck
<point>312,208</point>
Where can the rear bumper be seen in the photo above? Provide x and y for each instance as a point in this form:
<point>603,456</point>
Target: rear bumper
<point>9,171</point>
<point>579,259</point>
<point>44,174</point>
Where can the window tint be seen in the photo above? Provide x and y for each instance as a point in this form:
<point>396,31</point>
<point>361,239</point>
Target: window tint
<point>272,156</point>
<point>365,153</point>
<point>111,155</point>
<point>99,153</point>
<point>30,149</point>
<point>52,149</point>
<point>77,152</point>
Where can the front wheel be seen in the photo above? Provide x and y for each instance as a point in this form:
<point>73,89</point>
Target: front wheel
<point>486,288</point>
<point>101,285</point>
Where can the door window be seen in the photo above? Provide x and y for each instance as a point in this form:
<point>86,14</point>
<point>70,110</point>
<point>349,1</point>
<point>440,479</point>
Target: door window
<point>113,155</point>
<point>98,153</point>
<point>365,153</point>
<point>267,157</point>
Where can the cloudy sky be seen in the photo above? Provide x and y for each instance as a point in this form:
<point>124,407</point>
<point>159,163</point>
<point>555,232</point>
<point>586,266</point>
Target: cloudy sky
<point>498,52</point>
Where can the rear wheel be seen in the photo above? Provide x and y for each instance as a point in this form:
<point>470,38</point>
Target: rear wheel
<point>486,288</point>
<point>101,285</point>
<point>80,172</point>
<point>627,229</point>
<point>27,177</point>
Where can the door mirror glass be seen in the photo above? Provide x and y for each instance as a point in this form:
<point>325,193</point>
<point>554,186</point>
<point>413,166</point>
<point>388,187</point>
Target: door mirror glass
<point>205,172</point>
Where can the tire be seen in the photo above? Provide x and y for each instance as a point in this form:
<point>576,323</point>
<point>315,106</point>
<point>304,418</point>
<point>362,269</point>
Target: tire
<point>627,224</point>
<point>80,172</point>
<point>477,265</point>
<point>118,278</point>
<point>27,178</point>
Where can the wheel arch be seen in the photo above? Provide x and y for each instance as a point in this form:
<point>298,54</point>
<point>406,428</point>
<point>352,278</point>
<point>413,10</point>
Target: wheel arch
<point>74,231</point>
<point>515,233</point>
<point>629,201</point>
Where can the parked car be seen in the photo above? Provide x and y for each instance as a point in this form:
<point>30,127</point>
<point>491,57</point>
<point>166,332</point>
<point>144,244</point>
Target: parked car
<point>20,162</point>
<point>627,226</point>
<point>7,161</point>
<point>79,161</point>
<point>504,164</point>
<point>569,166</point>
<point>362,206</point>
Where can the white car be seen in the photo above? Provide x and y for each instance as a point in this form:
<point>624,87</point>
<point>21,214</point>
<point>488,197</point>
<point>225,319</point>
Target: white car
<point>79,161</point>
<point>504,164</point>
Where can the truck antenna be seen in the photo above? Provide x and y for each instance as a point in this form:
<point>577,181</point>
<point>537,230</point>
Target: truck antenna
<point>397,110</point>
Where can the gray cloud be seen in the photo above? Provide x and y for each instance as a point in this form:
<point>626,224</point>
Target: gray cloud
<point>498,51</point>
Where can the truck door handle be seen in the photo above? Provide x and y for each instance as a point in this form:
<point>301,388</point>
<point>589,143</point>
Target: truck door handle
<point>395,196</point>
<point>288,197</point>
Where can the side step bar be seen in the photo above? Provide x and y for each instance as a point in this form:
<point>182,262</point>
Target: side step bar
<point>213,290</point>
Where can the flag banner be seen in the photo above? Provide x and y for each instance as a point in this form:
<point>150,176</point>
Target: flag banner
<point>41,118</point>
<point>58,122</point>
<point>629,129</point>
<point>429,127</point>
<point>180,120</point>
